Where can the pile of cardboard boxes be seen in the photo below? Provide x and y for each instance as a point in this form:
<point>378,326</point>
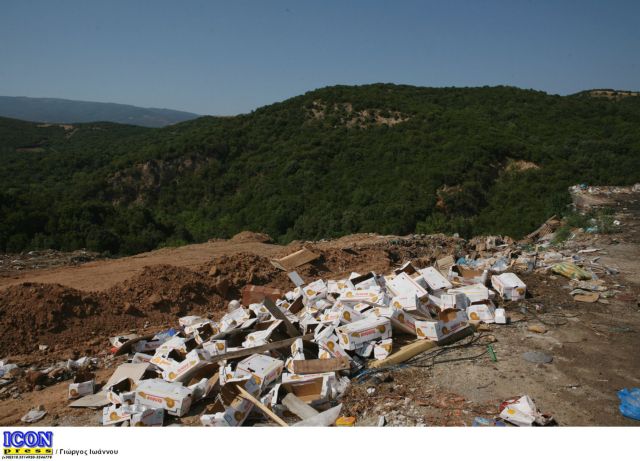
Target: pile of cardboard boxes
<point>307,343</point>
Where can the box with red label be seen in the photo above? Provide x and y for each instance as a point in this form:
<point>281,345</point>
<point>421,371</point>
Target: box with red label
<point>181,371</point>
<point>157,393</point>
<point>353,335</point>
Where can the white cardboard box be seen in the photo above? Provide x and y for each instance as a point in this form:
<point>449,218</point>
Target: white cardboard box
<point>403,321</point>
<point>435,280</point>
<point>482,312</point>
<point>382,349</point>
<point>310,388</point>
<point>476,293</point>
<point>157,393</point>
<point>448,322</point>
<point>509,286</point>
<point>80,389</point>
<point>371,296</point>
<point>181,371</point>
<point>403,285</point>
<point>353,335</point>
<point>263,368</point>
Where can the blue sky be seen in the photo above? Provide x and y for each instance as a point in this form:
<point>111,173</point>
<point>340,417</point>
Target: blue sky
<point>232,57</point>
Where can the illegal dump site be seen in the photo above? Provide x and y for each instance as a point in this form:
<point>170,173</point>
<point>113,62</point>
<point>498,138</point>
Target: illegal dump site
<point>366,330</point>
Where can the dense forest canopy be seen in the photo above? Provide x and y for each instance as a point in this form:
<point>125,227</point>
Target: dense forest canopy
<point>375,158</point>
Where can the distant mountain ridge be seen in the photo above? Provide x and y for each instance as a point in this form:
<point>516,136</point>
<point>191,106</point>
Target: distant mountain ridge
<point>55,110</point>
<point>390,159</point>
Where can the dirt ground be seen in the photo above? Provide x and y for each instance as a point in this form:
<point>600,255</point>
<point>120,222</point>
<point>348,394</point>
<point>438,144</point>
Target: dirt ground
<point>73,310</point>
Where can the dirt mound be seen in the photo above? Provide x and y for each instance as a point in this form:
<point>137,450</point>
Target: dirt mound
<point>34,314</point>
<point>64,318</point>
<point>67,319</point>
<point>229,274</point>
<point>248,236</point>
<point>164,289</point>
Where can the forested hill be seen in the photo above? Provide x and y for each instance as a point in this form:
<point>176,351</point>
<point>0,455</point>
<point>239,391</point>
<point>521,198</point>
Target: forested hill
<point>338,160</point>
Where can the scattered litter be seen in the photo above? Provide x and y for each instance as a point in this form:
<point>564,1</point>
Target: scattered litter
<point>381,421</point>
<point>630,402</point>
<point>346,421</point>
<point>523,412</point>
<point>571,271</point>
<point>35,414</point>
<point>479,421</point>
<point>584,296</point>
<point>537,328</point>
<point>537,357</point>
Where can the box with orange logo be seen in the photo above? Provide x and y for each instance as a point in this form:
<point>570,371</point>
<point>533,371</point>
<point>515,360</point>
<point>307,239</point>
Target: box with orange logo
<point>215,347</point>
<point>482,312</point>
<point>157,393</point>
<point>403,321</point>
<point>230,408</point>
<point>448,322</point>
<point>509,286</point>
<point>372,296</point>
<point>181,371</point>
<point>353,335</point>
<point>263,368</point>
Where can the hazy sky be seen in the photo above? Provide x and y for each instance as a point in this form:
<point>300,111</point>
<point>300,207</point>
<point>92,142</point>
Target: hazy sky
<point>230,57</point>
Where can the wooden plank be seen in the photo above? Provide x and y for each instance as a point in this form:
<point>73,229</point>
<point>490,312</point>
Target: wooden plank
<point>320,366</point>
<point>298,407</point>
<point>278,314</point>
<point>297,305</point>
<point>258,349</point>
<point>290,262</point>
<point>261,406</point>
<point>404,353</point>
<point>418,347</point>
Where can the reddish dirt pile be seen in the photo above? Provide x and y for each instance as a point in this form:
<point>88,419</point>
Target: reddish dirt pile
<point>248,236</point>
<point>67,319</point>
<point>34,314</point>
<point>164,290</point>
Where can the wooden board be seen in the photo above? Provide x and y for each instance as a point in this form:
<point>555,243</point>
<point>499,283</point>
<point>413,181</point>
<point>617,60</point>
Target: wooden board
<point>278,314</point>
<point>294,260</point>
<point>320,366</point>
<point>258,349</point>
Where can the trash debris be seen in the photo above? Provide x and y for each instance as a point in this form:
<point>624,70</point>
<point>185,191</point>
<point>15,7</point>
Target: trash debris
<point>346,421</point>
<point>523,412</point>
<point>33,415</point>
<point>479,421</point>
<point>324,419</point>
<point>290,262</point>
<point>537,357</point>
<point>571,271</point>
<point>537,328</point>
<point>630,403</point>
<point>278,355</point>
<point>83,384</point>
<point>584,296</point>
<point>509,286</point>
